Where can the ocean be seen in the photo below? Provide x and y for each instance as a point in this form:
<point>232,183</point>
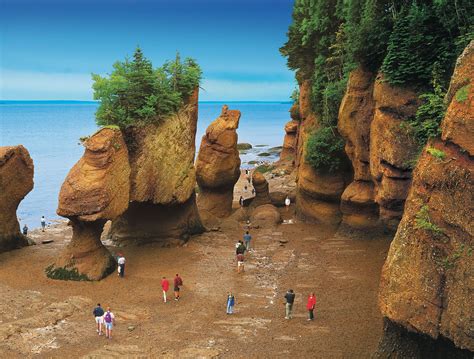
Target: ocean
<point>50,130</point>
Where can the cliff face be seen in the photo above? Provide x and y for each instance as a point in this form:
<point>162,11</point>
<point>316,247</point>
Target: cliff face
<point>318,193</point>
<point>162,179</point>
<point>95,190</point>
<point>218,164</point>
<point>16,181</point>
<point>428,277</point>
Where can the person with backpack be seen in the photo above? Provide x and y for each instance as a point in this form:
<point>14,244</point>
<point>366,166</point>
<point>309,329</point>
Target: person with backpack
<point>98,317</point>
<point>178,282</point>
<point>109,320</point>
<point>310,306</point>
<point>165,285</point>
<point>247,238</point>
<point>230,303</point>
<point>290,299</point>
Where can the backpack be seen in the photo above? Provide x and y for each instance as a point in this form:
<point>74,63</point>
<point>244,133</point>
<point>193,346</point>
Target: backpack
<point>108,317</point>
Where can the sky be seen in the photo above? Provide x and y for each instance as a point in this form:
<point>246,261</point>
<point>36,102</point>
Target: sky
<point>49,48</point>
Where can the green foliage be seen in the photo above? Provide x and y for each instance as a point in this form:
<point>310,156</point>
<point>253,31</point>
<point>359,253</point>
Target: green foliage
<point>295,95</point>
<point>423,221</point>
<point>325,150</point>
<point>65,274</point>
<point>264,168</point>
<point>450,261</point>
<point>135,93</point>
<point>441,155</point>
<point>462,93</point>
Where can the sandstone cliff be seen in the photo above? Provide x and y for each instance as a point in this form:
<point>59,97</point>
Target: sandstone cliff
<point>162,180</point>
<point>95,190</point>
<point>218,164</point>
<point>427,281</point>
<point>16,181</point>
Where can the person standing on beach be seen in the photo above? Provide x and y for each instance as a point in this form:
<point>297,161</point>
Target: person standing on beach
<point>240,263</point>
<point>310,306</point>
<point>43,223</point>
<point>230,303</point>
<point>178,282</point>
<point>98,317</point>
<point>165,285</point>
<point>241,201</point>
<point>121,265</point>
<point>109,320</point>
<point>25,230</point>
<point>287,203</point>
<point>247,238</point>
<point>290,299</point>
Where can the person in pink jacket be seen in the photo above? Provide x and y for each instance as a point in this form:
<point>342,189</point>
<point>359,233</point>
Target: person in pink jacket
<point>310,306</point>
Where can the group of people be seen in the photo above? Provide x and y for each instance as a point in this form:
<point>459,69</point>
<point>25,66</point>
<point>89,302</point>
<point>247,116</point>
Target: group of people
<point>290,300</point>
<point>43,226</point>
<point>165,286</point>
<point>105,318</point>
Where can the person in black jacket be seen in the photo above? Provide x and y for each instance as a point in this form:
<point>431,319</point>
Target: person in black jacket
<point>99,318</point>
<point>290,299</point>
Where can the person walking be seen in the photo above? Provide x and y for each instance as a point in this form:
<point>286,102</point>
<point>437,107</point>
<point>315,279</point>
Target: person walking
<point>240,263</point>
<point>178,282</point>
<point>109,320</point>
<point>165,285</point>
<point>98,317</point>
<point>247,238</point>
<point>240,248</point>
<point>241,201</point>
<point>25,230</point>
<point>287,203</point>
<point>310,306</point>
<point>121,265</point>
<point>230,303</point>
<point>43,223</point>
<point>290,299</point>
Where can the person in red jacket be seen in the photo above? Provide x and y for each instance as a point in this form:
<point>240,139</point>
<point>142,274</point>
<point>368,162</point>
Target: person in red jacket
<point>310,306</point>
<point>165,285</point>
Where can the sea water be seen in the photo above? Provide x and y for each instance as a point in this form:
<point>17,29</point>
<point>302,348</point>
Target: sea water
<point>50,130</point>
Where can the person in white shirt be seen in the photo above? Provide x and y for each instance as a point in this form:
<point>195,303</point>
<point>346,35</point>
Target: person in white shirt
<point>43,223</point>
<point>287,203</point>
<point>121,265</point>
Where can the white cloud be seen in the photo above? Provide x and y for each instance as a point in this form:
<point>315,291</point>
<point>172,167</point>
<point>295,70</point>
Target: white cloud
<point>30,85</point>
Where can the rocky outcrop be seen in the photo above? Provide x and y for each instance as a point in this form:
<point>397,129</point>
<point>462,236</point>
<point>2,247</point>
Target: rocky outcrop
<point>16,181</point>
<point>262,195</point>
<point>392,149</point>
<point>265,216</point>
<point>96,189</point>
<point>427,281</point>
<point>218,164</point>
<point>162,180</point>
<point>288,152</point>
<point>356,113</point>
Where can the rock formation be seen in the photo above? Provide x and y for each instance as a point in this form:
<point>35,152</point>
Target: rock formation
<point>392,149</point>
<point>162,180</point>
<point>16,181</point>
<point>95,190</point>
<point>265,216</point>
<point>218,164</point>
<point>262,195</point>
<point>427,281</point>
<point>288,152</point>
<point>355,117</point>
<point>318,193</point>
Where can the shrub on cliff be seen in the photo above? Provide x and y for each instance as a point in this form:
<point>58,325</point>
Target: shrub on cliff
<point>325,150</point>
<point>135,93</point>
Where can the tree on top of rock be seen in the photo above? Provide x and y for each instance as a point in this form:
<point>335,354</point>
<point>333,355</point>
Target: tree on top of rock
<point>136,94</point>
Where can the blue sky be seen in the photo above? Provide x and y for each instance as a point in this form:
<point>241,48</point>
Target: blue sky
<point>49,48</point>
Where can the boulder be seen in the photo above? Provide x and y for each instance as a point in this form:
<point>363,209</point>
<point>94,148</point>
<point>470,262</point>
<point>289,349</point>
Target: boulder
<point>265,216</point>
<point>392,149</point>
<point>428,278</point>
<point>162,180</point>
<point>360,212</point>
<point>16,181</point>
<point>218,164</point>
<point>96,189</point>
<point>262,195</point>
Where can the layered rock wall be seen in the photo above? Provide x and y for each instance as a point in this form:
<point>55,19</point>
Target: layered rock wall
<point>427,281</point>
<point>16,181</point>
<point>218,164</point>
